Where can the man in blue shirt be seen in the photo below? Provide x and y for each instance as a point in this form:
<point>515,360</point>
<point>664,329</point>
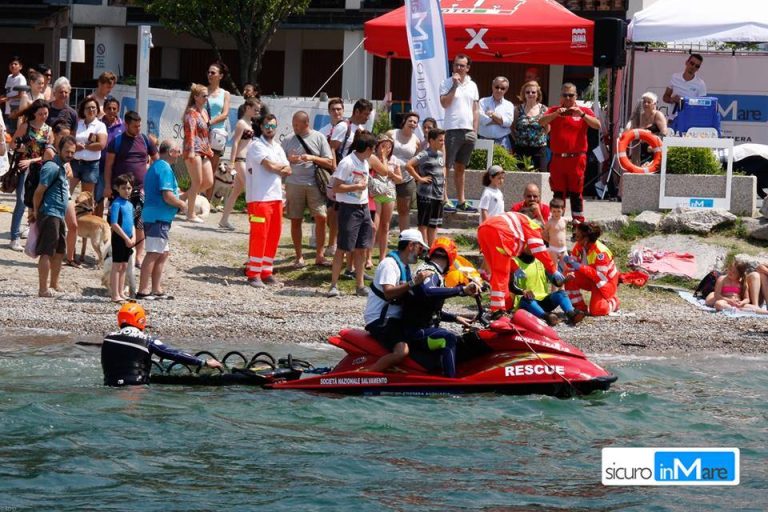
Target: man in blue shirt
<point>49,206</point>
<point>161,202</point>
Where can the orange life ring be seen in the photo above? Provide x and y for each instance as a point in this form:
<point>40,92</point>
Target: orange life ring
<point>654,145</point>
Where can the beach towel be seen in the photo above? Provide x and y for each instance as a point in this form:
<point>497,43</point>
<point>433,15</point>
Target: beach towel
<point>699,303</point>
<point>664,262</point>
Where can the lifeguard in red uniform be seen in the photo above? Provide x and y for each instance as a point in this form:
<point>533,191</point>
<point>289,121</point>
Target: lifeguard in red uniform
<point>568,141</point>
<point>592,269</point>
<point>501,239</point>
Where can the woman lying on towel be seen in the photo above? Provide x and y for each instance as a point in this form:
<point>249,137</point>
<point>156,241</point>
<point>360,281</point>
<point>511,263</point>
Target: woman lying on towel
<point>732,293</point>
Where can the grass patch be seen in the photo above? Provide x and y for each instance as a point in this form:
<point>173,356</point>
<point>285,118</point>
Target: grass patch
<point>466,242</point>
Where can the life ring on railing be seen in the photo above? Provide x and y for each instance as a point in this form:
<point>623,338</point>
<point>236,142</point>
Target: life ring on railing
<point>654,145</point>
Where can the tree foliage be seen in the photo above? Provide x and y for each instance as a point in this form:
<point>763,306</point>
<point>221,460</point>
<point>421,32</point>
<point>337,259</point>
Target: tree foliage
<point>251,23</point>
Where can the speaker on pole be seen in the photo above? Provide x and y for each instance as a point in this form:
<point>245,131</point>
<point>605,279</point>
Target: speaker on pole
<point>609,50</point>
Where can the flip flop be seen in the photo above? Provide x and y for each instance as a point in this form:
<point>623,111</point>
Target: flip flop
<point>299,264</point>
<point>71,263</point>
<point>324,263</point>
<point>162,296</point>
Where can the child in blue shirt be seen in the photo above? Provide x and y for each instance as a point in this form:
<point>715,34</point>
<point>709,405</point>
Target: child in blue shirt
<point>123,236</point>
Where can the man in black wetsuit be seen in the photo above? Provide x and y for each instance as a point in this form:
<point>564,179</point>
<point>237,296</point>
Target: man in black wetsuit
<point>126,354</point>
<point>423,309</point>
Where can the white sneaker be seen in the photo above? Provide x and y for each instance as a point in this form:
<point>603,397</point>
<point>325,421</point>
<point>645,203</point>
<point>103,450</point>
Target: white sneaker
<point>196,220</point>
<point>330,251</point>
<point>24,233</point>
<point>16,245</point>
<point>333,292</point>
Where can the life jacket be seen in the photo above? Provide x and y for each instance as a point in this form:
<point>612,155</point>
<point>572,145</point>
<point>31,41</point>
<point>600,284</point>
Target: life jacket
<point>405,276</point>
<point>125,358</point>
<point>420,312</point>
<point>600,260</point>
<point>535,279</point>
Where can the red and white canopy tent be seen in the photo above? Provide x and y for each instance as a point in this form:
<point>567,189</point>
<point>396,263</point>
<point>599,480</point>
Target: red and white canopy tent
<point>524,31</point>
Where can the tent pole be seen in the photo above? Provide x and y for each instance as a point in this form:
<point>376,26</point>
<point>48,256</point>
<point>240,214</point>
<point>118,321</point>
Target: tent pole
<point>338,68</point>
<point>388,77</point>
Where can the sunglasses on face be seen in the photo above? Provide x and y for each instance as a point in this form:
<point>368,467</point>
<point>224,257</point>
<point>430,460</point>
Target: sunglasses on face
<point>270,126</point>
<point>531,92</point>
<point>91,108</point>
<point>499,88</point>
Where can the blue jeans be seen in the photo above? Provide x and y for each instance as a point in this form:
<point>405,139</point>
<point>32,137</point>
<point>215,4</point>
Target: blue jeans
<point>547,304</point>
<point>18,210</point>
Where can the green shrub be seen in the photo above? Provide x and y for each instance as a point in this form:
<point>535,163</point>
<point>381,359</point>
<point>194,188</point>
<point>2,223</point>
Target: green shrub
<point>383,122</point>
<point>692,161</point>
<point>500,157</point>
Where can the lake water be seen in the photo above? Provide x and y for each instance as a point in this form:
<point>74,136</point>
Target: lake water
<point>68,443</point>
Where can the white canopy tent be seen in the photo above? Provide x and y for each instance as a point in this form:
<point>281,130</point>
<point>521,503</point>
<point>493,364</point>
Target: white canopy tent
<point>700,21</point>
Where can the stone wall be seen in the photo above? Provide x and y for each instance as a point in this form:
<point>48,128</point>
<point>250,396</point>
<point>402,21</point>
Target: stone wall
<point>641,191</point>
<point>514,185</point>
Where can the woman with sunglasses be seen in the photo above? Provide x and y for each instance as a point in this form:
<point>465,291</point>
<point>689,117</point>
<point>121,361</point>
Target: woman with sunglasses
<point>197,149</point>
<point>250,109</point>
<point>91,137</point>
<point>45,70</point>
<point>266,165</point>
<point>218,110</point>
<point>529,136</point>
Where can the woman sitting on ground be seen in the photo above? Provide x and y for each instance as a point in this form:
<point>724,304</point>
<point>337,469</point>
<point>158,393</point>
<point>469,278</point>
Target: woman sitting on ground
<point>732,292</point>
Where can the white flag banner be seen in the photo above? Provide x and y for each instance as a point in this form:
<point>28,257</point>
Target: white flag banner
<point>429,56</point>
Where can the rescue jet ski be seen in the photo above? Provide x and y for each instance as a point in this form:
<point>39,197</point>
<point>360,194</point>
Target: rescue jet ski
<point>512,355</point>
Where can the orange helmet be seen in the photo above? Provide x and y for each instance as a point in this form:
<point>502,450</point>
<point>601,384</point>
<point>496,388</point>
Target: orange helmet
<point>132,314</point>
<point>447,245</point>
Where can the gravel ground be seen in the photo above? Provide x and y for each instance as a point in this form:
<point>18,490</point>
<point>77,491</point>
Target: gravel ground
<point>213,304</point>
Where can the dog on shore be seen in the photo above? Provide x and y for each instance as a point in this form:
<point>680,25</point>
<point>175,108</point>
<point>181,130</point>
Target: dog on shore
<point>130,273</point>
<point>90,227</point>
<point>223,183</point>
<point>202,206</point>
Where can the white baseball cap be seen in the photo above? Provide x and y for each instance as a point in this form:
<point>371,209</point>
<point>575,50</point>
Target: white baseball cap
<point>413,235</point>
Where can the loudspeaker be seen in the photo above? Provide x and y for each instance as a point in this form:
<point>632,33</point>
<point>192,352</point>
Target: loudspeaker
<point>609,51</point>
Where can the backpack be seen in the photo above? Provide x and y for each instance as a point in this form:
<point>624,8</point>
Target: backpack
<point>31,182</point>
<point>707,285</point>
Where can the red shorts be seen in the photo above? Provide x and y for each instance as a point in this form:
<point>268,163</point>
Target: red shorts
<point>567,174</point>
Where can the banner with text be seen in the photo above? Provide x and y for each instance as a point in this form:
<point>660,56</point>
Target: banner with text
<point>429,56</point>
<point>166,110</point>
<point>739,82</point>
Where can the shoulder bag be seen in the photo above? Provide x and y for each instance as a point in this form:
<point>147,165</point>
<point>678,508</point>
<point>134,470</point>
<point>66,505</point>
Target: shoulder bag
<point>322,176</point>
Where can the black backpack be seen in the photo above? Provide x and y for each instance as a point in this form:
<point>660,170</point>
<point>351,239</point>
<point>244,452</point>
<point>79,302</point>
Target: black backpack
<point>31,182</point>
<point>707,285</point>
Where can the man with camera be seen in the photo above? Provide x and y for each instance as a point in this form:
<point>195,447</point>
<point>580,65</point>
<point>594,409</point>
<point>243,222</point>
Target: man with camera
<point>568,142</point>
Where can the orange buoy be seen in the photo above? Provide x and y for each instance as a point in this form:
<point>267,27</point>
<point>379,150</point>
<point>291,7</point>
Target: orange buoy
<point>654,145</point>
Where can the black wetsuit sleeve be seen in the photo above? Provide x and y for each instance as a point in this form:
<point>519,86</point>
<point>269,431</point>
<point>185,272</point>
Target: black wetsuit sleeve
<point>158,348</point>
<point>431,289</point>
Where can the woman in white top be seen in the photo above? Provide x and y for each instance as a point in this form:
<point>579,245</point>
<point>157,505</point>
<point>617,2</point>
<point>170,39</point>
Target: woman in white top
<point>91,137</point>
<point>248,111</point>
<point>218,111</point>
<point>407,144</point>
